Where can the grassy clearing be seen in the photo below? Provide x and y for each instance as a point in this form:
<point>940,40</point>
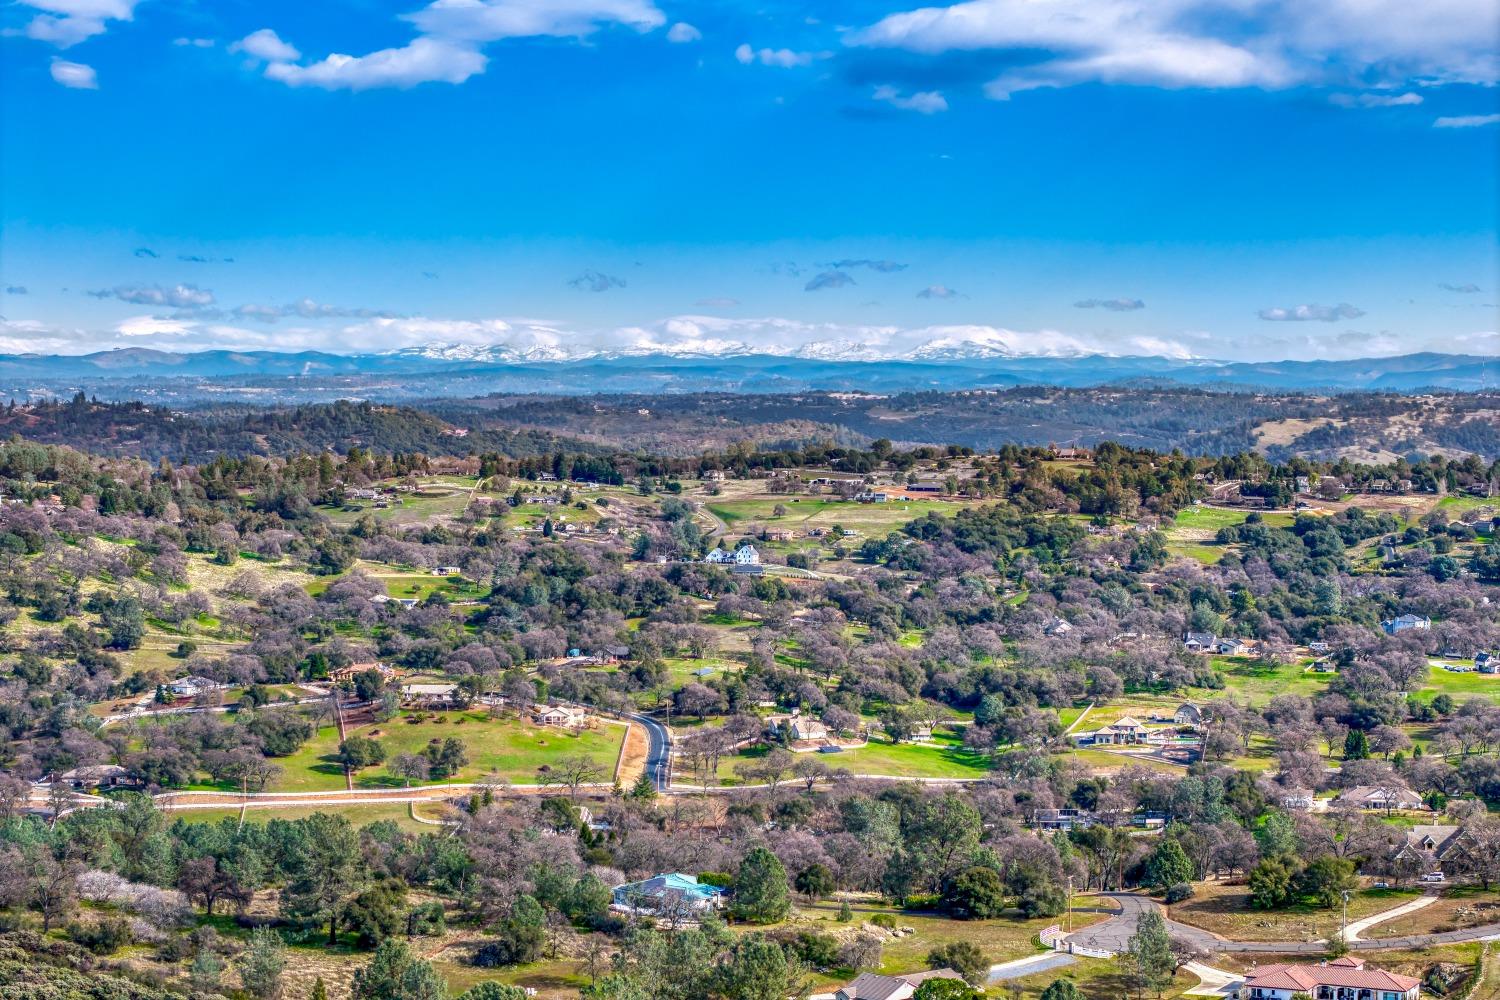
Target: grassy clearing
<point>427,504</point>
<point>1225,909</point>
<point>1245,677</point>
<point>510,748</point>
<point>1459,686</point>
<point>359,815</point>
<point>810,512</point>
<point>1106,760</point>
<point>944,757</point>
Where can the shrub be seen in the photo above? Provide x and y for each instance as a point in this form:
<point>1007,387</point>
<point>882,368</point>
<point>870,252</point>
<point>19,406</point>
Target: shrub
<point>105,937</point>
<point>1177,893</point>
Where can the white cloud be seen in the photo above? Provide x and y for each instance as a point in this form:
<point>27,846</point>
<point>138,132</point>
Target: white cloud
<point>1375,100</point>
<point>782,58</point>
<point>178,296</point>
<point>1466,121</point>
<point>1206,43</point>
<point>197,43</point>
<point>266,46</point>
<point>424,60</point>
<point>681,33</point>
<point>527,338</point>
<point>492,20</point>
<point>927,102</point>
<point>938,292</point>
<point>1157,347</point>
<point>76,76</point>
<point>305,308</point>
<point>65,23</point>
<point>448,50</point>
<point>154,326</point>
<point>1312,313</point>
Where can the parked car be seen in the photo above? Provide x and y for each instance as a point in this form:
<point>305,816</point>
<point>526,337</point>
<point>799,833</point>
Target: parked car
<point>1381,885</point>
<point>1433,877</point>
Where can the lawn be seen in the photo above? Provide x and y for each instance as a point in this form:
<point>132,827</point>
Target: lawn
<point>944,757</point>
<point>359,815</point>
<point>509,748</point>
<point>1109,760</point>
<point>1459,686</point>
<point>421,506</point>
<point>1246,677</point>
<point>1192,533</point>
<point>1225,909</point>
<point>810,512</point>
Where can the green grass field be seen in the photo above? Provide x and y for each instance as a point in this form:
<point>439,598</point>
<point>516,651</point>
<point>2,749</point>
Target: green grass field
<point>1459,686</point>
<point>423,505</point>
<point>944,757</point>
<point>359,815</point>
<point>809,512</point>
<point>509,748</point>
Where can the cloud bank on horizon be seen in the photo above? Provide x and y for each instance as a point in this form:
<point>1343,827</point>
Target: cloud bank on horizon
<point>626,167</point>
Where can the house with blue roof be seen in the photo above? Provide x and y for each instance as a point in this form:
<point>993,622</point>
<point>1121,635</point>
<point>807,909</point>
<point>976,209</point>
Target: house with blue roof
<point>673,895</point>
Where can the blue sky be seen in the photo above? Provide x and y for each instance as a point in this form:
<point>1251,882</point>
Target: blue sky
<point>1215,178</point>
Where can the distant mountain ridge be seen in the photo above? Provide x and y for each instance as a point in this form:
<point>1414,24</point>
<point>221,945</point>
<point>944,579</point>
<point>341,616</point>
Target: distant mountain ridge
<point>481,369</point>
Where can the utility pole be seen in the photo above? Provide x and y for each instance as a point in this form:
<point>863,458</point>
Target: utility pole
<point>1070,904</point>
<point>1344,934</point>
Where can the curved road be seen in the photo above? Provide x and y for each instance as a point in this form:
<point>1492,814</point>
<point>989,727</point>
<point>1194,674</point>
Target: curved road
<point>1115,933</point>
<point>659,756</point>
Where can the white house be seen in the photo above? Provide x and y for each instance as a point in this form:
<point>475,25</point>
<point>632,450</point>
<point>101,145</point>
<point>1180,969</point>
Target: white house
<point>746,555</point>
<point>1341,979</point>
<point>797,727</point>
<point>1057,626</point>
<point>560,715</point>
<point>1404,623</point>
<point>192,687</point>
<point>717,556</point>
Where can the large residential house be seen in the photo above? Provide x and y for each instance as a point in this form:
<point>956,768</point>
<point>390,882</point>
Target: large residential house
<point>354,669</point>
<point>1341,979</point>
<point>427,696</point>
<point>560,715</point>
<point>874,986</point>
<point>1437,845</point>
<point>1199,642</point>
<point>746,555</point>
<point>1405,623</point>
<point>1063,819</point>
<point>673,895</point>
<point>1128,730</point>
<point>101,776</point>
<point>192,687</point>
<point>797,727</point>
<point>718,556</point>
<point>1386,797</point>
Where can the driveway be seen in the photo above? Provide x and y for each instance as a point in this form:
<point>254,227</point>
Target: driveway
<point>659,756</point>
<point>1114,935</point>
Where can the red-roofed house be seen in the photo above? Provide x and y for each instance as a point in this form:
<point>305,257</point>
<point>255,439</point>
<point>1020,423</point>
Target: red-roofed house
<point>1342,979</point>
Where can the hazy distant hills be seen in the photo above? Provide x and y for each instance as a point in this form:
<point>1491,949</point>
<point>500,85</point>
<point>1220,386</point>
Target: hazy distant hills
<point>435,371</point>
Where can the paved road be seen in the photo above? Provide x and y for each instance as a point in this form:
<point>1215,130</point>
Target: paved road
<point>659,756</point>
<point>1029,966</point>
<point>1115,933</point>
